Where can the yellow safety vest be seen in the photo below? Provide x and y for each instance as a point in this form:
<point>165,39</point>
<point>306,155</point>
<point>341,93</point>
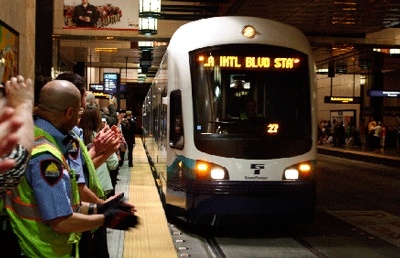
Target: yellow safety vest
<point>35,236</point>
<point>94,183</point>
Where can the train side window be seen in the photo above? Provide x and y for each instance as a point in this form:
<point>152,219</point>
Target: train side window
<point>176,135</point>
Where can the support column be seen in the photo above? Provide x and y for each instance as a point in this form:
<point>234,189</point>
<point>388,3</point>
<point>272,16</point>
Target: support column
<point>43,40</point>
<point>377,84</point>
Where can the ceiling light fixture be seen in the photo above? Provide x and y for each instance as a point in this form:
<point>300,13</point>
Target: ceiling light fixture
<point>149,12</point>
<point>106,49</point>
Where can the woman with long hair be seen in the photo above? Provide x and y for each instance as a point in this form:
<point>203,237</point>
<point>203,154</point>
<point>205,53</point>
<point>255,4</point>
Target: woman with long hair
<point>91,123</point>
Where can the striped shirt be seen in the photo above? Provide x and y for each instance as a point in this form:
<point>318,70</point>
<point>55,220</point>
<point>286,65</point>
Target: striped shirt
<point>12,177</point>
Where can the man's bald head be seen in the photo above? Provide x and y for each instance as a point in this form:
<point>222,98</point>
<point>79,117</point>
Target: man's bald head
<point>55,99</point>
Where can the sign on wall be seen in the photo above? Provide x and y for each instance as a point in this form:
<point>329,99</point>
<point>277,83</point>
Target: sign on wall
<point>384,93</point>
<point>345,116</point>
<point>9,45</point>
<point>342,100</point>
<point>101,14</point>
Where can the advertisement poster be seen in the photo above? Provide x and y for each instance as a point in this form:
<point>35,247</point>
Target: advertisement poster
<point>345,116</point>
<point>9,47</point>
<point>101,14</point>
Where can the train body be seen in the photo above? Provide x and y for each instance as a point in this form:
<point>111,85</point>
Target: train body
<point>230,122</point>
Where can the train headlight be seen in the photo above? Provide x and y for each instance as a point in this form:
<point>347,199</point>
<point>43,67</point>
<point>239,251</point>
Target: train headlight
<point>291,173</point>
<point>217,173</point>
<point>249,31</point>
<point>298,171</point>
<point>207,170</point>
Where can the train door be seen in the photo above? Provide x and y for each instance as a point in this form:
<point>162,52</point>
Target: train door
<point>176,135</point>
<point>175,193</point>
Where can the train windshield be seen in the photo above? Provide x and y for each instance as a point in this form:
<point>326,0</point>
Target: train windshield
<point>251,101</point>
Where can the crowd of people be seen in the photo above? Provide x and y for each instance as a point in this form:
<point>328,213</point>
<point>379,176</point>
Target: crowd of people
<point>58,170</point>
<point>370,136</point>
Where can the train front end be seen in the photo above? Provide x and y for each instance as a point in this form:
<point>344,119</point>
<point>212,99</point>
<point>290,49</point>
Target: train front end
<point>243,133</point>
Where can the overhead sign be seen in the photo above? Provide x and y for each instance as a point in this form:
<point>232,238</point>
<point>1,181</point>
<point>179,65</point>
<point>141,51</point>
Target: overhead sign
<point>111,81</point>
<point>342,100</point>
<point>250,62</point>
<point>384,93</point>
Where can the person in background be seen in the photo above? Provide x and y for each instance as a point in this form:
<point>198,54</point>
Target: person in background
<point>250,110</point>
<point>45,209</point>
<point>110,113</point>
<point>383,137</point>
<point>129,129</point>
<point>376,142</point>
<point>121,151</point>
<point>91,100</point>
<point>91,123</point>
<point>350,134</point>
<point>371,131</point>
<point>85,15</point>
<point>334,129</point>
<point>16,142</point>
<point>362,133</point>
<point>340,134</point>
<point>321,133</point>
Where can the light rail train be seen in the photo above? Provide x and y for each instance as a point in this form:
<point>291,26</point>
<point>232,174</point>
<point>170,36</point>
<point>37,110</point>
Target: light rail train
<point>230,123</point>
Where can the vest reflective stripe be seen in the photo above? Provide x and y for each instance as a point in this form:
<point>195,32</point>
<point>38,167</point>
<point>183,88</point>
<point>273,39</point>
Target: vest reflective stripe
<point>36,237</point>
<point>24,207</point>
<point>43,138</point>
<point>39,132</point>
<point>24,210</point>
<point>94,183</point>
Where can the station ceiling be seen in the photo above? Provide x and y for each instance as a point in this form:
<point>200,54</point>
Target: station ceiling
<point>338,24</point>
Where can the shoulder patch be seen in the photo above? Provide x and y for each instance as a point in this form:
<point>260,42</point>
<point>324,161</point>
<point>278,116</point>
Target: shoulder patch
<point>74,151</point>
<point>51,170</point>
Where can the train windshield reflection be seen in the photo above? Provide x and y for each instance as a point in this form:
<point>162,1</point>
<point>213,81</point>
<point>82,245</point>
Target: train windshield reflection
<point>250,91</point>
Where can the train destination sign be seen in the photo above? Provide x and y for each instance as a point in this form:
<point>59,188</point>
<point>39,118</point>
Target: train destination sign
<point>384,93</point>
<point>250,62</point>
<point>342,100</point>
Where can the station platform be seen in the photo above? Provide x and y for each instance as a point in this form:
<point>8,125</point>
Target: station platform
<point>388,157</point>
<point>152,237</point>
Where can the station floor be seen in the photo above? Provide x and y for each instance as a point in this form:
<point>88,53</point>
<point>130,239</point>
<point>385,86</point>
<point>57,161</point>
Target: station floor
<point>152,237</point>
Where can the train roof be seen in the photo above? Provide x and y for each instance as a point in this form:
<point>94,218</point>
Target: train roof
<point>228,30</point>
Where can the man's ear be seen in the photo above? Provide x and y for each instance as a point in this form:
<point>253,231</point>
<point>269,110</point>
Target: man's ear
<point>69,112</point>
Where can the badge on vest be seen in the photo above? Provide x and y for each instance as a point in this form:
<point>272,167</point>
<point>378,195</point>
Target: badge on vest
<point>74,151</point>
<point>51,170</point>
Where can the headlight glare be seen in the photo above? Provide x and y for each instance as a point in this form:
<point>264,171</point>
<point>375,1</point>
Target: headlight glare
<point>207,170</point>
<point>302,170</point>
<point>217,173</point>
<point>291,174</point>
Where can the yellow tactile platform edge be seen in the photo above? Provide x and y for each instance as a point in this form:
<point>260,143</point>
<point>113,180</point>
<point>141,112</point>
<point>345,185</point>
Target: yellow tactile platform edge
<point>152,238</point>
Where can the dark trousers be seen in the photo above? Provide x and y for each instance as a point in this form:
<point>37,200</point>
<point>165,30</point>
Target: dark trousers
<point>130,153</point>
<point>371,143</point>
<point>114,178</point>
<point>8,240</point>
<point>94,245</point>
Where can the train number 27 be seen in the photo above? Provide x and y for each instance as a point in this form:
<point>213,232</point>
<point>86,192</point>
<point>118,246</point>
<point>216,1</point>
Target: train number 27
<point>273,128</point>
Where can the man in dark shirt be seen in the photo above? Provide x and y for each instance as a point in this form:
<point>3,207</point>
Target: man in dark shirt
<point>129,130</point>
<point>85,15</point>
